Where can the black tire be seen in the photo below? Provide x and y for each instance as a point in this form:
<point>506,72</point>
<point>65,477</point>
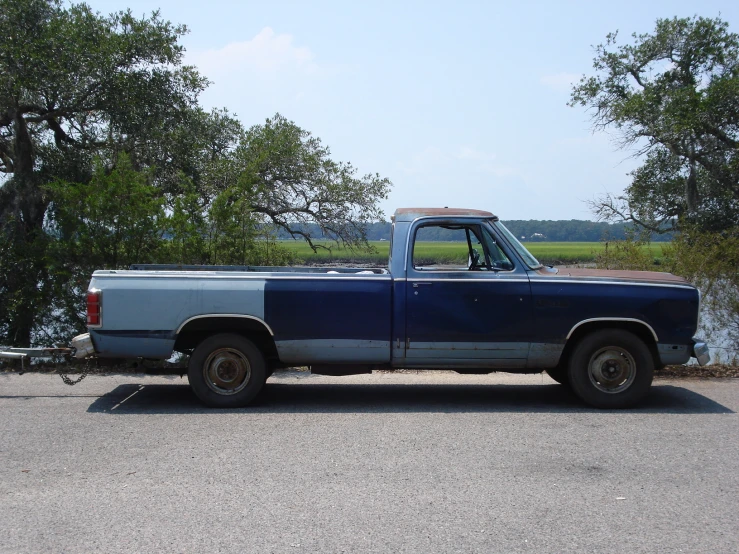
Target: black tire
<point>226,371</point>
<point>559,374</point>
<point>611,368</point>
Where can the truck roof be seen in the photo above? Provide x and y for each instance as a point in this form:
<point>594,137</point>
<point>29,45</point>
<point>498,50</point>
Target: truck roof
<point>409,214</point>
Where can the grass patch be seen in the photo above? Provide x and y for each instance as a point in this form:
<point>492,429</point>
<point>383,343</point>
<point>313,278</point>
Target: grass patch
<point>448,252</point>
<point>575,252</point>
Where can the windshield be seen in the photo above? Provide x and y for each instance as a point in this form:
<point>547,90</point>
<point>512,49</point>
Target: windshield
<point>530,261</point>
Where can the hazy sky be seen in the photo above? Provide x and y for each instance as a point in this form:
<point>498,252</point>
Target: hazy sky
<point>458,103</point>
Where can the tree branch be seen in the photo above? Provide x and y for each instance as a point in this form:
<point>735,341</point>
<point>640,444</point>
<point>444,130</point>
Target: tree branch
<point>60,137</point>
<point>636,75</point>
<point>607,210</point>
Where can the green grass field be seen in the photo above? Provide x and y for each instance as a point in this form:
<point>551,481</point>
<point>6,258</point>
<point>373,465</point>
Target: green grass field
<point>449,252</point>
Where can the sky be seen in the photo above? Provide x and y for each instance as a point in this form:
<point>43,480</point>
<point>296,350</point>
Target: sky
<point>459,104</point>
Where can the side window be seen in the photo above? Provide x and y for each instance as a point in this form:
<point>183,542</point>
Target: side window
<point>448,248</point>
<point>499,261</point>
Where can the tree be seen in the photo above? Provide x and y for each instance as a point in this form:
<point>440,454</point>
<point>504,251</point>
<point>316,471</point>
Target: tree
<point>290,180</point>
<point>71,82</point>
<point>112,221</point>
<point>275,178</point>
<point>674,96</point>
<point>74,85</point>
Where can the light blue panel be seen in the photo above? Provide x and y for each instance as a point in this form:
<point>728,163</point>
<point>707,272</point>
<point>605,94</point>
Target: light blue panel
<point>161,301</point>
<point>461,363</point>
<point>126,346</point>
<point>333,351</point>
<point>544,355</point>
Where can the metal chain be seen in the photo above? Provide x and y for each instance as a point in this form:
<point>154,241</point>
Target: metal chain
<point>84,374</point>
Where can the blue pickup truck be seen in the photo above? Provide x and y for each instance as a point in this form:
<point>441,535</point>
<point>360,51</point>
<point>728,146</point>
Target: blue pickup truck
<point>602,333</point>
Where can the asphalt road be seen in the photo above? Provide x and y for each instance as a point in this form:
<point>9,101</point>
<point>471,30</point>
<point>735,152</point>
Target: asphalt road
<point>380,463</point>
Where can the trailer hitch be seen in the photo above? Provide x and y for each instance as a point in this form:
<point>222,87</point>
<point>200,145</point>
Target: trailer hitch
<point>71,382</point>
<point>23,354</point>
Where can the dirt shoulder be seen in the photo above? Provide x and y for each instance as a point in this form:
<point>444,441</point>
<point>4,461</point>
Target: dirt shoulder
<point>712,371</point>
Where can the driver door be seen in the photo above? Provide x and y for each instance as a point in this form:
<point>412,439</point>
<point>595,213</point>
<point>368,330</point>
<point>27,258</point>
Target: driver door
<point>466,314</point>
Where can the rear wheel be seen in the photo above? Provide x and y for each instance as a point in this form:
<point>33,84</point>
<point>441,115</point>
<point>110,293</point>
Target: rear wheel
<point>226,371</point>
<point>611,368</point>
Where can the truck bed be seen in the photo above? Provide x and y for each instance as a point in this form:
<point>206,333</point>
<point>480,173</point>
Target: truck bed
<point>329,316</point>
<point>257,268</point>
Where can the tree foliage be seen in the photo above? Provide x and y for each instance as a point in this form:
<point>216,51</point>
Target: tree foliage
<point>115,219</point>
<point>709,261</point>
<point>73,82</point>
<point>291,180</point>
<point>673,95</point>
<point>112,221</point>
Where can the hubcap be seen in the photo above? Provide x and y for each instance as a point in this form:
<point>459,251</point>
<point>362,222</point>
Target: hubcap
<point>226,371</point>
<point>612,369</point>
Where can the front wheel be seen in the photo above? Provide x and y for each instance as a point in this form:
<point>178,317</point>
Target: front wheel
<point>226,371</point>
<point>611,368</point>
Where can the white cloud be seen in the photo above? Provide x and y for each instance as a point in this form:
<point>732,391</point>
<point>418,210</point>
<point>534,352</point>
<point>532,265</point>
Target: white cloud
<point>258,77</point>
<point>266,53</point>
<point>561,82</point>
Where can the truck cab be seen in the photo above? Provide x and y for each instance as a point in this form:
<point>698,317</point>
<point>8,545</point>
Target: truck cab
<point>475,315</point>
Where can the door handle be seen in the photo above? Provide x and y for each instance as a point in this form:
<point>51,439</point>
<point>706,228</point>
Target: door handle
<point>421,284</point>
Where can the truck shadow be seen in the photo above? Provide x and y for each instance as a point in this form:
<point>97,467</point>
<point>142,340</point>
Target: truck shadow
<point>131,399</point>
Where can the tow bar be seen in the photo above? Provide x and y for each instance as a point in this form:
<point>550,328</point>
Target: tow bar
<point>23,354</point>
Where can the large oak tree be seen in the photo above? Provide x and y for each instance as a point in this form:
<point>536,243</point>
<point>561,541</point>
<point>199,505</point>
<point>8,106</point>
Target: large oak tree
<point>673,95</point>
<point>73,85</point>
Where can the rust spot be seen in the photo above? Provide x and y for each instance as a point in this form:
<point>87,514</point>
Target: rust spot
<point>615,274</point>
<point>420,212</point>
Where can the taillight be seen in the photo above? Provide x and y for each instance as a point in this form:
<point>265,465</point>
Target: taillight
<point>94,307</point>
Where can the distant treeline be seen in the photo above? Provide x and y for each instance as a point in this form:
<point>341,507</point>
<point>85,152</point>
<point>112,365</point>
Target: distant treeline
<point>573,230</point>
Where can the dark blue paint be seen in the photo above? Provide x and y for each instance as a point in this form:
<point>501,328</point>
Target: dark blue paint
<point>398,323</point>
<point>302,309</point>
<point>481,311</point>
<point>138,334</point>
<point>558,307</point>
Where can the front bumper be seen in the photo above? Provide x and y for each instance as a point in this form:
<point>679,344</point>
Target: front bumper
<point>679,354</point>
<point>83,346</point>
<point>700,352</point>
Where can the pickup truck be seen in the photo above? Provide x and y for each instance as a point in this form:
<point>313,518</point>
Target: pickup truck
<point>601,333</point>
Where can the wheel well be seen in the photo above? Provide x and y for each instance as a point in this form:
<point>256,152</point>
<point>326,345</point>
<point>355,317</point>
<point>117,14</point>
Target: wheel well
<point>194,332</point>
<point>636,328</point>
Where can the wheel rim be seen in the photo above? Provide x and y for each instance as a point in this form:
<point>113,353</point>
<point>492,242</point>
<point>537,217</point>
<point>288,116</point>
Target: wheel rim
<point>612,369</point>
<point>226,371</point>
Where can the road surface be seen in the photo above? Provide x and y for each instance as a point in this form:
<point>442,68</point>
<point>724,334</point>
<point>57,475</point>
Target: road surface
<point>373,463</point>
